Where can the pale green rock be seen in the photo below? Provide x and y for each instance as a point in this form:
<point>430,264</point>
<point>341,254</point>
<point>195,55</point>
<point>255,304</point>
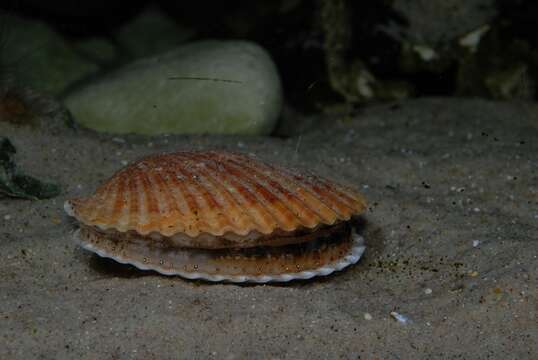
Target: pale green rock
<point>36,56</point>
<point>228,87</point>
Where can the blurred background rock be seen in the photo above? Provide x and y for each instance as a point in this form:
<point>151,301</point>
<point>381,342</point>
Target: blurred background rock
<point>332,55</point>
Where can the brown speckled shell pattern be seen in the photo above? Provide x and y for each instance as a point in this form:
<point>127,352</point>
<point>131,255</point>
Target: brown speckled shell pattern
<point>214,192</point>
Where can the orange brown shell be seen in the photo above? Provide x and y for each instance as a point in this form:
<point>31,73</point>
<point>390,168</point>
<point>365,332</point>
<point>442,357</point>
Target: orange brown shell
<point>199,193</point>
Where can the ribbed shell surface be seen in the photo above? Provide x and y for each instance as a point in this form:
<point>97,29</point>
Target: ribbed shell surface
<point>214,192</point>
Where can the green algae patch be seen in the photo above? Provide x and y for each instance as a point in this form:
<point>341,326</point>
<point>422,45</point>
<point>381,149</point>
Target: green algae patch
<point>14,183</point>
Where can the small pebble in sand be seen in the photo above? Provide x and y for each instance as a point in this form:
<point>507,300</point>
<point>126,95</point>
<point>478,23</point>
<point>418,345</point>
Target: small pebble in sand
<point>367,316</point>
<point>124,162</point>
<point>476,243</point>
<point>7,217</point>
<point>473,273</point>
<point>427,291</point>
<point>476,209</point>
<point>400,318</point>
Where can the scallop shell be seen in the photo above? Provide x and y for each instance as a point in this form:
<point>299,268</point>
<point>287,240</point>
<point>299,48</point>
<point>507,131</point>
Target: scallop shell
<point>215,202</point>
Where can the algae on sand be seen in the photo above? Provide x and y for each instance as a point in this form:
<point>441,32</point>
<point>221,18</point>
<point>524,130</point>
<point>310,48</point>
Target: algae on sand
<point>13,183</point>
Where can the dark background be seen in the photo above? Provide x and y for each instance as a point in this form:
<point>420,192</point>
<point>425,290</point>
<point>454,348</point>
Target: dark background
<point>291,32</point>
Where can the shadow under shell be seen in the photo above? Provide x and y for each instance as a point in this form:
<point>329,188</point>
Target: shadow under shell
<point>330,249</point>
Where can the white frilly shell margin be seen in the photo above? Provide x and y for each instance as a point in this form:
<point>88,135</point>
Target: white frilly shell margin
<point>351,258</point>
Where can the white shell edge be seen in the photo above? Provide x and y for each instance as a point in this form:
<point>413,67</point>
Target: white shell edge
<point>351,258</point>
<point>68,208</point>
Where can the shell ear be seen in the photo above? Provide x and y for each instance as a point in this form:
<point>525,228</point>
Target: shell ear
<point>68,208</point>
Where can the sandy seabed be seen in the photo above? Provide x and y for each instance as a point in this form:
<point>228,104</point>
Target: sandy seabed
<point>450,269</point>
